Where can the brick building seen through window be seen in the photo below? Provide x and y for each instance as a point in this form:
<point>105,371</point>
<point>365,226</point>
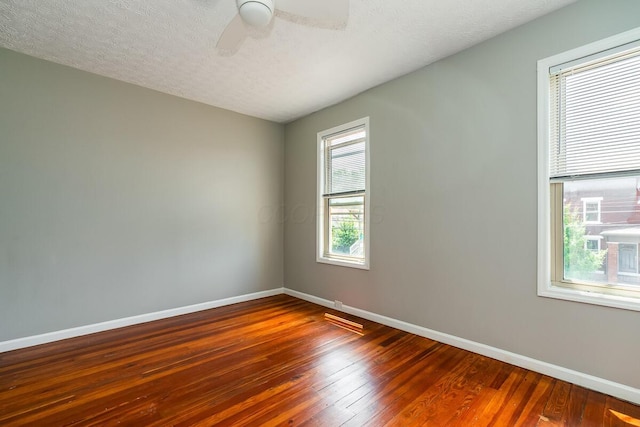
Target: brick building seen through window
<point>609,210</point>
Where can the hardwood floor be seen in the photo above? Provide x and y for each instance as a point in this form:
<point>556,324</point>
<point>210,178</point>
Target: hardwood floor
<point>278,361</point>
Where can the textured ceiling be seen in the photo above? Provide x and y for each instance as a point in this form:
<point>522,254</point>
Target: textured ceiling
<point>279,74</point>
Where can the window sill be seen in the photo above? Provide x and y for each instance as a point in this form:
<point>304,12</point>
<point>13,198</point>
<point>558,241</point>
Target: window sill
<point>589,297</point>
<point>344,263</point>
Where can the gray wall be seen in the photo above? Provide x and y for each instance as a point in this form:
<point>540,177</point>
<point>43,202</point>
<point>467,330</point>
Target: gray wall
<point>453,193</point>
<point>116,200</point>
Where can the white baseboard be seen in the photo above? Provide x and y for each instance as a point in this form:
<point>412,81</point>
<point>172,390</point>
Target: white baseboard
<point>128,321</point>
<point>602,385</point>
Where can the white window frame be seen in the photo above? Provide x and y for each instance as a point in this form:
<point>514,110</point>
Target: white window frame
<point>590,200</point>
<point>596,239</point>
<point>548,228</point>
<point>322,238</point>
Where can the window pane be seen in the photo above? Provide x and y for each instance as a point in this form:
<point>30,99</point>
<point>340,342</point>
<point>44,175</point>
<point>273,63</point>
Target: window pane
<point>614,260</point>
<point>596,116</point>
<point>346,225</point>
<point>347,168</point>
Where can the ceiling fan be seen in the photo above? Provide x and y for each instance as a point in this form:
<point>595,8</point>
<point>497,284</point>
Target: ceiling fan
<point>259,13</point>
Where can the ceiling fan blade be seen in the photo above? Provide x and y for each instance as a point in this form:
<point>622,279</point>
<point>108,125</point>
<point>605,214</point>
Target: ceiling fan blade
<point>321,10</point>
<point>233,35</point>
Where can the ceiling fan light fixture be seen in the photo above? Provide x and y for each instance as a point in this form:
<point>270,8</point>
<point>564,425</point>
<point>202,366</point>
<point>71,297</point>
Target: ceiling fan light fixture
<point>257,13</point>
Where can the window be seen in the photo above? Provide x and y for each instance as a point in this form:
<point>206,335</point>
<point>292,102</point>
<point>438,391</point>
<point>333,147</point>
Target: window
<point>591,209</point>
<point>343,195</point>
<point>592,244</point>
<point>589,160</point>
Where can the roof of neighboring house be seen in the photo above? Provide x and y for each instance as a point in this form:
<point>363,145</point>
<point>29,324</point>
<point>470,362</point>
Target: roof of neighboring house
<point>632,231</point>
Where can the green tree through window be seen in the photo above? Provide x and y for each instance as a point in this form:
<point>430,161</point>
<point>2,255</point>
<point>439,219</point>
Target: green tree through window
<point>344,236</point>
<point>580,262</point>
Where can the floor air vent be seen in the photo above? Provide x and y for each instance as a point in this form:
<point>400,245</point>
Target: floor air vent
<point>344,323</point>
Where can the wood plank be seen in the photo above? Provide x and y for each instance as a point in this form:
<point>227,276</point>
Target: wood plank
<point>619,413</point>
<point>576,405</point>
<point>276,361</point>
<point>558,402</point>
<point>593,414</point>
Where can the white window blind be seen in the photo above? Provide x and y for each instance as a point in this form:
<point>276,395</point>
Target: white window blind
<point>345,166</point>
<point>595,117</point>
